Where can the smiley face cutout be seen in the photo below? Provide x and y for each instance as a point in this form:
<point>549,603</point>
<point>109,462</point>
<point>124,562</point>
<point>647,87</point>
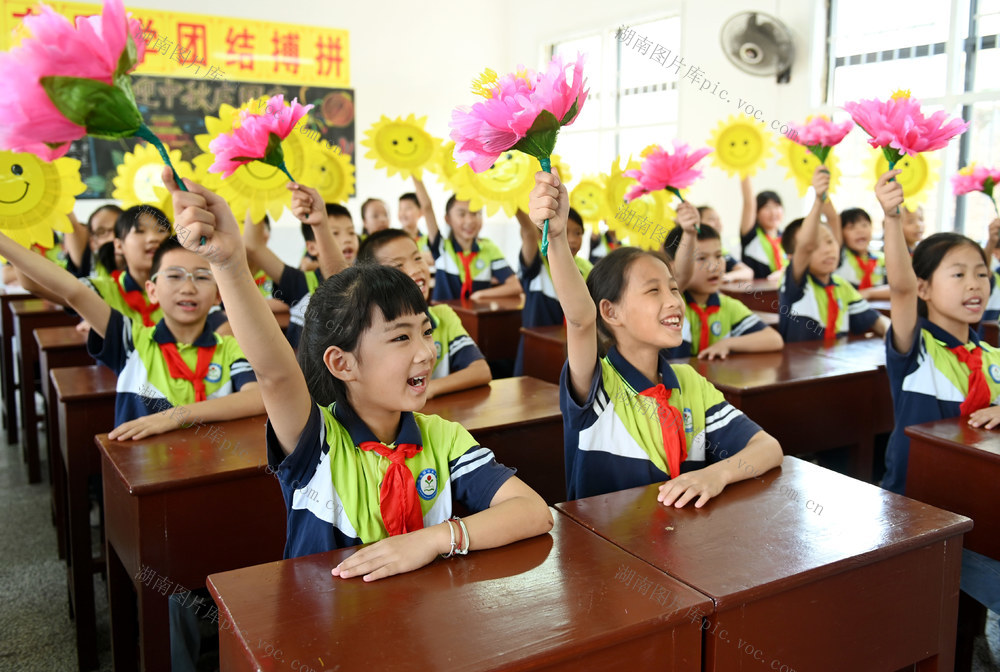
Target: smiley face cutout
<point>741,145</point>
<point>400,145</point>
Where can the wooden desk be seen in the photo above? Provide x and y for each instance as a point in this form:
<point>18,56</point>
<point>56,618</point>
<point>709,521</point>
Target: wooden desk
<point>544,352</point>
<point>8,387</point>
<point>883,306</point>
<point>58,347</point>
<point>808,568</point>
<point>761,294</point>
<point>28,316</point>
<point>519,420</point>
<point>809,403</point>
<point>85,405</point>
<point>494,325</point>
<point>956,467</point>
<point>555,602</point>
<point>178,507</point>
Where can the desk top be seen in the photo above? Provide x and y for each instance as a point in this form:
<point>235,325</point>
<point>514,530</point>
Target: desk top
<point>789,527</point>
<point>76,383</point>
<point>35,306</point>
<point>760,371</point>
<point>513,402</point>
<point>504,304</point>
<point>956,433</point>
<point>749,287</point>
<point>554,333</point>
<point>54,338</point>
<point>545,600</point>
<point>183,458</point>
<point>868,350</point>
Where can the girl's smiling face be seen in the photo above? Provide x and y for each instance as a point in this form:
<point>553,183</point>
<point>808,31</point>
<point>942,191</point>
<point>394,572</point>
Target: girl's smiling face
<point>651,309</point>
<point>402,253</point>
<point>958,289</point>
<point>376,217</point>
<point>141,242</point>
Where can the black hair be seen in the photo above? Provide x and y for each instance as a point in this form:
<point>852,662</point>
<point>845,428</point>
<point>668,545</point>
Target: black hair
<point>129,220</point>
<point>574,216</point>
<point>267,222</point>
<point>765,197</point>
<point>341,310</point>
<point>931,250</point>
<point>376,241</point>
<point>108,207</point>
<point>853,216</point>
<point>364,206</point>
<point>168,245</point>
<point>332,210</point>
<point>608,278</point>
<point>788,236</point>
<point>702,209</point>
<point>449,203</point>
<point>673,239</point>
<point>105,255</point>
<point>410,196</point>
<point>307,232</point>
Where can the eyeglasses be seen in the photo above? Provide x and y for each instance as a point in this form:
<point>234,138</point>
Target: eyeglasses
<point>176,276</point>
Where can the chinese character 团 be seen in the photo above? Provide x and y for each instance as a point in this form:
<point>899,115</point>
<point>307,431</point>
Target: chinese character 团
<point>192,35</point>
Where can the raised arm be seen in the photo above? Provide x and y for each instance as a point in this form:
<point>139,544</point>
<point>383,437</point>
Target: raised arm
<point>749,216</point>
<point>898,265</point>
<point>310,208</point>
<point>58,283</point>
<point>257,250</point>
<point>77,241</point>
<point>807,239</point>
<point>529,237</point>
<point>427,208</point>
<point>200,212</point>
<point>687,249</point>
<point>833,220</point>
<point>994,239</point>
<point>549,200</point>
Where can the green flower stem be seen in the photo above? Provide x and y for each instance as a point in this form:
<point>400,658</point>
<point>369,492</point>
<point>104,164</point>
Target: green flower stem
<point>546,163</point>
<point>282,168</point>
<point>892,165</point>
<point>676,192</point>
<point>147,135</point>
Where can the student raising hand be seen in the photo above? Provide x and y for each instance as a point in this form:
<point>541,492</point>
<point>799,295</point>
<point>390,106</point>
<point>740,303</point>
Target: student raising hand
<point>205,224</point>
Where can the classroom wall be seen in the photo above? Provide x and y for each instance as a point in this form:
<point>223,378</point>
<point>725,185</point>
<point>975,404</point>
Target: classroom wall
<point>420,59</point>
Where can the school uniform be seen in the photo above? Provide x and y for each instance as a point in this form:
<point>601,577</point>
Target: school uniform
<point>602,248</point>
<point>89,265</point>
<point>265,284</point>
<point>862,272</point>
<point>992,311</point>
<point>809,310</point>
<point>722,317</point>
<point>458,273</point>
<point>295,287</point>
<point>332,481</point>
<point>120,291</point>
<point>455,348</point>
<point>761,252</point>
<point>731,261</point>
<point>930,383</point>
<point>541,305</point>
<point>615,439</point>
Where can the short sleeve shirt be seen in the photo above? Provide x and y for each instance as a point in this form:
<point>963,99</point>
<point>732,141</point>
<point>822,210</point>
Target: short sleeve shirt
<point>455,348</point>
<point>488,268</point>
<point>805,306</point>
<point>761,253</point>
<point>731,319</point>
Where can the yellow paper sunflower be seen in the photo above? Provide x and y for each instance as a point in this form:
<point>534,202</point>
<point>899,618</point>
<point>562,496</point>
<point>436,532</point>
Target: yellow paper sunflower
<point>920,174</point>
<point>36,196</point>
<point>801,164</point>
<point>557,165</point>
<point>138,180</point>
<point>742,145</point>
<point>503,186</point>
<point>328,171</point>
<point>256,187</point>
<point>643,222</point>
<point>587,198</point>
<point>400,145</point>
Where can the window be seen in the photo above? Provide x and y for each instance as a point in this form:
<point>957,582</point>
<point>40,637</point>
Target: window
<point>633,98</point>
<point>946,52</point>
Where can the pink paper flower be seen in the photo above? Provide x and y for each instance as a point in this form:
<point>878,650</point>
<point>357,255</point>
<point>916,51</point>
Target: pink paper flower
<point>819,132</point>
<point>898,126</point>
<point>44,116</point>
<point>975,178</point>
<point>663,170</point>
<point>258,137</point>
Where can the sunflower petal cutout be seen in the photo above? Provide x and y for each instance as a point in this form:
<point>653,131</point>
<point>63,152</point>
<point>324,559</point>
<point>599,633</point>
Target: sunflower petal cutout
<point>400,145</point>
<point>643,222</point>
<point>919,176</point>
<point>587,198</point>
<point>256,187</point>
<point>37,196</point>
<point>742,145</point>
<point>138,181</point>
<point>329,171</point>
<point>802,163</point>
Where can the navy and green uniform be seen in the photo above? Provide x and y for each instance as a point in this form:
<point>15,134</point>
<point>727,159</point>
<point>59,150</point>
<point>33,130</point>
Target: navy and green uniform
<point>992,311</point>
<point>89,265</point>
<point>111,288</point>
<point>603,245</point>
<point>541,305</point>
<point>455,348</point>
<point>732,319</point>
<point>614,441</point>
<point>731,261</point>
<point>929,383</point>
<point>294,288</point>
<point>804,308</point>
<point>144,382</point>
<point>331,486</point>
<point>264,283</point>
<point>851,270</point>
<point>762,253</point>
<point>489,268</point>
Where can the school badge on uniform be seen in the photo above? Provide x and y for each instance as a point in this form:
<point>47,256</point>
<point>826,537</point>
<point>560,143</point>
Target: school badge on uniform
<point>688,421</point>
<point>994,373</point>
<point>437,346</point>
<point>716,328</point>
<point>480,264</point>
<point>214,374</point>
<point>427,484</point>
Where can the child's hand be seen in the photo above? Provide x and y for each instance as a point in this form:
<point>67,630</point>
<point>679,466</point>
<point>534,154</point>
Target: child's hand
<point>395,555</point>
<point>688,217</point>
<point>307,205</point>
<point>549,200</point>
<point>83,327</point>
<point>150,425</point>
<point>821,180</point>
<point>202,214</point>
<point>717,350</point>
<point>889,194</point>
<point>995,232</point>
<point>989,416</point>
<point>703,484</point>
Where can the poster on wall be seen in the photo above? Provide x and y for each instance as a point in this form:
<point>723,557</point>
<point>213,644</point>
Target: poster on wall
<point>195,63</point>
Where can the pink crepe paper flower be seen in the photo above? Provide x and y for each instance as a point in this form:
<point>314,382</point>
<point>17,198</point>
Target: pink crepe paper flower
<point>258,137</point>
<point>65,82</point>
<point>663,170</point>
<point>897,126</point>
<point>976,178</point>
<point>819,135</point>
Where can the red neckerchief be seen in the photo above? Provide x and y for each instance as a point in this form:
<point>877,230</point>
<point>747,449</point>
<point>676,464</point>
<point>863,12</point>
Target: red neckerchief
<point>136,300</point>
<point>674,442</point>
<point>261,281</point>
<point>177,368</point>
<point>397,495</point>
<point>867,268</point>
<point>979,391</point>
<point>467,259</point>
<point>832,313</point>
<point>776,249</point>
<point>704,315</point>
